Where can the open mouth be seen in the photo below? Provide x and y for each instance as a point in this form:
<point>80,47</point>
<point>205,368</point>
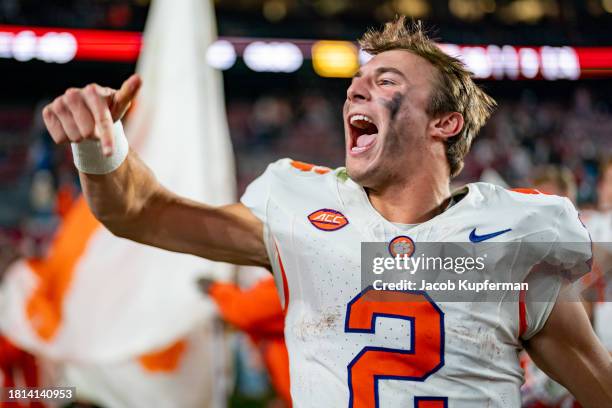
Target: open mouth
<point>363,133</point>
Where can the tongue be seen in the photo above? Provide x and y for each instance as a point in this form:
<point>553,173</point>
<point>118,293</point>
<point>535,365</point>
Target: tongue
<point>365,140</point>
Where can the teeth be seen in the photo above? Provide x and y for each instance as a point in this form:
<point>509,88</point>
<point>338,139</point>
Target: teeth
<point>358,149</point>
<point>355,118</point>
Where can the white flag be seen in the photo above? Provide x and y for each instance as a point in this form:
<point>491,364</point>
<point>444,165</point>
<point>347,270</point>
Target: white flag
<point>102,300</point>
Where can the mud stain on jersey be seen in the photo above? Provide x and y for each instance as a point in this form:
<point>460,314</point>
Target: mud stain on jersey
<point>318,324</point>
<point>480,341</point>
<point>490,344</point>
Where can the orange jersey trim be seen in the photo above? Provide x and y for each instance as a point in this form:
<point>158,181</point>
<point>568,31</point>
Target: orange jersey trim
<point>310,167</point>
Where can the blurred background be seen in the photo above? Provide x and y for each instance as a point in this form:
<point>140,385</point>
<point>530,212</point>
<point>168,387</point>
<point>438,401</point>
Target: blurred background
<point>548,63</point>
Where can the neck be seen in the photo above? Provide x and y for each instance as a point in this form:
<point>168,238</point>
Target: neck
<point>418,199</point>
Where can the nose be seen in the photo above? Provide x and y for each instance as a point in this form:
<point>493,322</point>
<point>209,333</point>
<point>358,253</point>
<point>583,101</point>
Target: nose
<point>358,91</point>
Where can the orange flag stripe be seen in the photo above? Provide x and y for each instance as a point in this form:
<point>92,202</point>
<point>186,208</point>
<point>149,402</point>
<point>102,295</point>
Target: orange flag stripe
<point>165,360</point>
<point>56,272</point>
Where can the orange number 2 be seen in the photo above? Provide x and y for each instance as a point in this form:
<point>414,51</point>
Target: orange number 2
<point>424,356</point>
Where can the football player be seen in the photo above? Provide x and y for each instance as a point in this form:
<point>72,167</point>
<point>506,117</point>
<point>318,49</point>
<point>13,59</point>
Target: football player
<point>410,116</point>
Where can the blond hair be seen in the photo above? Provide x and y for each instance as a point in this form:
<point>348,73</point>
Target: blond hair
<point>455,91</point>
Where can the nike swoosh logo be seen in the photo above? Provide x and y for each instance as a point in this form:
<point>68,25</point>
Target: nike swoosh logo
<point>479,238</point>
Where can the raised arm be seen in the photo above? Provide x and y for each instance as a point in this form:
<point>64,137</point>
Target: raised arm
<point>570,353</point>
<point>128,199</point>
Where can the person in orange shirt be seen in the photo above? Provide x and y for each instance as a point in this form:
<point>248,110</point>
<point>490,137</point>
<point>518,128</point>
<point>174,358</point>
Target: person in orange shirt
<point>258,312</point>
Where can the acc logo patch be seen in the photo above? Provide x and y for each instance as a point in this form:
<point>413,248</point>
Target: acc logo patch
<point>328,220</point>
<point>402,246</point>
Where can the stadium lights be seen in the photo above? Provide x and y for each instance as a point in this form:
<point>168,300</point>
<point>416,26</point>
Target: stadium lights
<point>529,61</point>
<point>273,56</point>
<point>61,45</point>
<point>221,55</point>
<point>338,59</point>
<point>49,47</point>
<point>330,58</point>
<point>551,63</point>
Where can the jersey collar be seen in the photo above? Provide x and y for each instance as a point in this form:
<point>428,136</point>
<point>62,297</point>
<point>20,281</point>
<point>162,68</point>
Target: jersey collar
<point>373,225</point>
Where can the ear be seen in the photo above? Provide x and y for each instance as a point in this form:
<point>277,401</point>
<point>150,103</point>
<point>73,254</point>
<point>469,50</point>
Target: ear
<point>446,125</point>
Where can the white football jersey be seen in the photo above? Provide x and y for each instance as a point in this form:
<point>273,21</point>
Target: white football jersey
<point>417,353</point>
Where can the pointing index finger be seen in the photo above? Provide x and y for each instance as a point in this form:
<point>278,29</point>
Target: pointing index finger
<point>103,120</point>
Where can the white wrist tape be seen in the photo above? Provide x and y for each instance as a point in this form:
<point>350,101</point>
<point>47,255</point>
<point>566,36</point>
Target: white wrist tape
<point>88,156</point>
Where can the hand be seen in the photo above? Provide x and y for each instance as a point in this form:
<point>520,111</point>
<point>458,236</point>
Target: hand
<point>89,113</point>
